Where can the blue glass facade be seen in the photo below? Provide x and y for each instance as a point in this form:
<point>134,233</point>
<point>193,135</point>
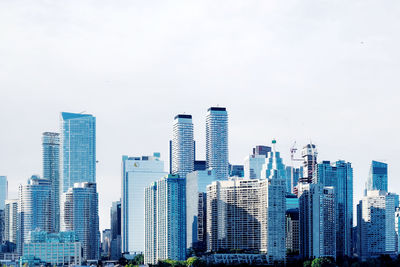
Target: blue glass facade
<point>51,171</point>
<point>78,149</point>
<point>340,176</point>
<point>378,176</point>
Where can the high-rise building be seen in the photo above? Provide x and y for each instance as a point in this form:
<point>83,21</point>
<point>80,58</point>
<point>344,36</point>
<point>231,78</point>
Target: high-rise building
<point>34,209</point>
<point>261,150</point>
<point>106,243</point>
<point>196,185</point>
<point>378,176</point>
<point>253,165</point>
<point>78,149</point>
<point>79,213</point>
<point>137,174</point>
<point>10,220</point>
<point>397,228</point>
<point>165,220</point>
<point>340,176</point>
<point>3,191</point>
<point>292,177</point>
<point>51,171</point>
<point>217,156</point>
<point>182,145</point>
<point>376,225</point>
<point>317,221</point>
<point>273,166</point>
<point>292,231</point>
<point>309,154</point>
<point>236,170</point>
<point>115,215</point>
<point>247,214</point>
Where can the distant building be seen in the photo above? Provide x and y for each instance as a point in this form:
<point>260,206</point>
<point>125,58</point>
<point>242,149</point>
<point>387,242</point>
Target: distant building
<point>292,231</point>
<point>317,221</point>
<point>196,186</point>
<point>340,176</point>
<point>261,150</point>
<point>34,209</point>
<point>51,171</point>
<point>115,215</point>
<point>253,165</point>
<point>292,202</point>
<point>200,165</point>
<point>376,225</point>
<point>78,149</point>
<point>309,154</point>
<point>397,228</point>
<point>378,176</point>
<point>106,243</point>
<point>137,174</point>
<point>79,213</point>
<point>236,170</point>
<point>292,177</point>
<point>182,145</point>
<point>3,191</point>
<point>273,166</point>
<point>247,214</point>
<point>10,220</point>
<point>53,249</point>
<point>165,220</point>
<point>217,156</point>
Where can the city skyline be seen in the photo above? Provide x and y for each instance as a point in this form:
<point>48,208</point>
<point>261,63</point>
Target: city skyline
<point>292,71</point>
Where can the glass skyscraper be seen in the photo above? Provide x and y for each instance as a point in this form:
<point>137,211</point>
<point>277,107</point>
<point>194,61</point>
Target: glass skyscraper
<point>137,173</point>
<point>79,213</point>
<point>3,191</point>
<point>217,156</point>
<point>182,145</point>
<point>115,216</point>
<point>165,220</point>
<point>78,149</point>
<point>378,176</point>
<point>339,175</point>
<point>51,171</point>
<point>273,166</point>
<point>34,210</point>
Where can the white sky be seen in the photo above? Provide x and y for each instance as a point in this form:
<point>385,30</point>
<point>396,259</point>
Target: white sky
<point>294,70</point>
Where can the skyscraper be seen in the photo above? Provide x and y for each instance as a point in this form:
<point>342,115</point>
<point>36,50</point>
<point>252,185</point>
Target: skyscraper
<point>137,173</point>
<point>340,176</point>
<point>165,220</point>
<point>10,222</point>
<point>292,177</point>
<point>196,185</point>
<point>247,214</point>
<point>51,171</point>
<point>309,154</point>
<point>378,176</point>
<point>79,213</point>
<point>376,225</point>
<point>273,166</point>
<point>182,145</point>
<point>34,208</point>
<point>78,149</point>
<point>253,165</point>
<point>217,156</point>
<point>397,227</point>
<point>3,191</point>
<point>115,215</point>
<point>317,221</point>
<point>261,150</point>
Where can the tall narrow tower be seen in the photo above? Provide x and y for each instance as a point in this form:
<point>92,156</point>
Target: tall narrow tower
<point>182,145</point>
<point>217,141</point>
<point>51,171</point>
<point>309,154</point>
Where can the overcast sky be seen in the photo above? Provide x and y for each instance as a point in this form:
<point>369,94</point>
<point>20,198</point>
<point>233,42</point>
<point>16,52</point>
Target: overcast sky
<point>326,71</point>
